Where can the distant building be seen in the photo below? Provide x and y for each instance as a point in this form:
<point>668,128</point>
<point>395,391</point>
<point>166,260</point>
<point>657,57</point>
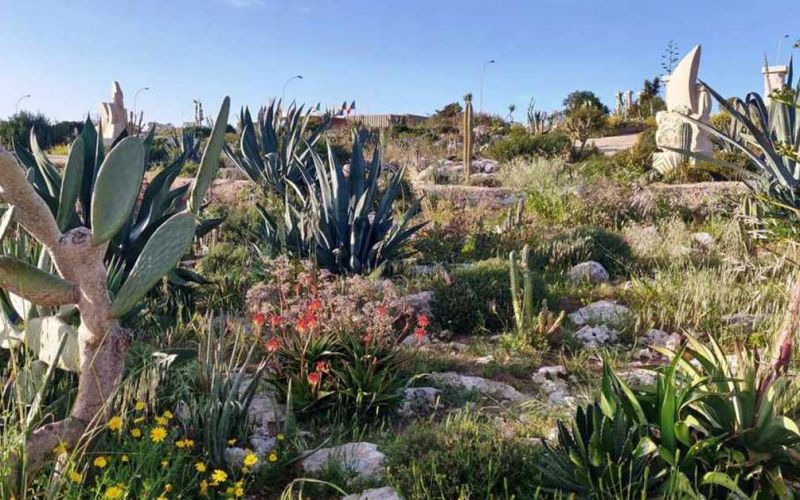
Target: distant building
<point>380,121</point>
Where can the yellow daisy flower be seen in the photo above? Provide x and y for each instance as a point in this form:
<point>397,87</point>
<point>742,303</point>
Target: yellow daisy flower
<point>238,492</point>
<point>124,459</point>
<point>250,459</point>
<point>75,477</point>
<point>136,433</point>
<point>162,421</point>
<point>231,442</point>
<point>280,437</point>
<point>200,467</point>
<point>168,415</point>
<point>273,457</point>
<point>203,487</point>
<point>168,488</point>
<point>115,423</point>
<point>100,462</point>
<point>140,406</point>
<point>158,434</point>
<point>114,492</point>
<point>218,476</point>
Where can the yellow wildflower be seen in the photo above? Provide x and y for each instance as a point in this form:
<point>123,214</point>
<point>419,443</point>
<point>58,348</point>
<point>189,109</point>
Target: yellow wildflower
<point>168,415</point>
<point>164,464</point>
<point>280,437</point>
<point>245,470</point>
<point>157,434</point>
<point>140,406</point>
<point>124,459</point>
<point>115,423</point>
<point>114,492</point>
<point>203,487</point>
<point>75,477</point>
<point>136,433</point>
<point>273,457</point>
<point>60,449</point>
<point>184,443</point>
<point>238,492</point>
<point>250,459</point>
<point>168,488</point>
<point>218,476</point>
<point>162,421</point>
<point>100,462</point>
<point>200,467</point>
<point>231,442</point>
<point>229,490</point>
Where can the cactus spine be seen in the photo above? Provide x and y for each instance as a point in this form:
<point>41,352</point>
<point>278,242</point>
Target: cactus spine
<point>467,136</point>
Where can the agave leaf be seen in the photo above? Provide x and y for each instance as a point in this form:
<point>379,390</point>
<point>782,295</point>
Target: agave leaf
<point>116,189</point>
<point>211,156</point>
<point>71,185</point>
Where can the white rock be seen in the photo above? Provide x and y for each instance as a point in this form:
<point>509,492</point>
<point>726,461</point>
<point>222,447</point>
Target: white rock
<point>414,341</point>
<point>602,312</point>
<point>418,400</point>
<point>484,386</point>
<point>660,338</point>
<point>638,377</point>
<point>264,414</point>
<point>385,493</point>
<point>595,336</point>
<point>484,360</point>
<point>459,346</point>
<point>741,321</point>
<point>546,373</point>
<point>362,458</point>
<point>589,271</point>
<point>703,240</point>
<point>419,303</point>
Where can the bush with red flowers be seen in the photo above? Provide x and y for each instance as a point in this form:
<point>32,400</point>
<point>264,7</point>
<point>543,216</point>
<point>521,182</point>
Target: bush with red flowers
<point>334,342</point>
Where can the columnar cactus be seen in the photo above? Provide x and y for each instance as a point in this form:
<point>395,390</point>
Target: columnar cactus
<point>78,257</point>
<point>467,136</point>
<point>521,288</point>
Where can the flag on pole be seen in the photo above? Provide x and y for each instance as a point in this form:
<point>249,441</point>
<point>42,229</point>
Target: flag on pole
<point>352,108</point>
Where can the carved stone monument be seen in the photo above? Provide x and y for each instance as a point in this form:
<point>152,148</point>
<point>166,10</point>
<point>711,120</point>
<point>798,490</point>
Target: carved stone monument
<point>774,79</point>
<point>684,96</point>
<point>113,117</point>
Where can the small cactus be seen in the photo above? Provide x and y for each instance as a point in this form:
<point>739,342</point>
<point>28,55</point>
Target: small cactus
<point>467,137</point>
<point>545,325</point>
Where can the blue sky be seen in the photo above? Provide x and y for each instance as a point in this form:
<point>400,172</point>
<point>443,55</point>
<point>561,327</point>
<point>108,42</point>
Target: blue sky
<point>388,55</point>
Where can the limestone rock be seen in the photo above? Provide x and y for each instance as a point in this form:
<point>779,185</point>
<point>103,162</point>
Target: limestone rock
<point>602,312</point>
<point>638,377</point>
<point>703,240</point>
<point>385,493</point>
<point>418,401</point>
<point>590,271</point>
<point>595,336</point>
<point>660,338</point>
<point>264,414</point>
<point>484,386</point>
<point>362,458</point>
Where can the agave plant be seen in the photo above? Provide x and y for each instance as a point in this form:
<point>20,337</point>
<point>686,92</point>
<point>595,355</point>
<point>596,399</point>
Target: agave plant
<point>344,218</point>
<point>158,203</point>
<point>276,149</point>
<point>768,135</point>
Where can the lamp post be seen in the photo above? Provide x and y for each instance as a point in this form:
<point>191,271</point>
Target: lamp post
<point>483,76</point>
<point>16,106</point>
<point>295,77</point>
<point>135,97</point>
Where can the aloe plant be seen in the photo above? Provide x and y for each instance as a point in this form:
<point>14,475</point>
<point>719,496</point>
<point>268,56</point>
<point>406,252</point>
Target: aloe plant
<point>344,218</point>
<point>275,150</point>
<point>77,276</point>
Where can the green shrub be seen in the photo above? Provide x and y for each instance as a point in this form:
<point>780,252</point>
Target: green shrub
<point>586,243</point>
<point>520,143</point>
<point>473,299</point>
<point>465,456</point>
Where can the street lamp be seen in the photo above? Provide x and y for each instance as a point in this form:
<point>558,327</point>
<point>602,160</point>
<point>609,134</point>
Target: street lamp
<point>16,106</point>
<point>295,77</point>
<point>135,97</point>
<point>483,75</point>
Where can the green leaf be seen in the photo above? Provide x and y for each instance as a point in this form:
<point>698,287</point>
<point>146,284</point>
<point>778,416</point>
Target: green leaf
<point>160,255</point>
<point>71,185</point>
<point>33,284</point>
<point>116,189</point>
<point>727,482</point>
<point>210,162</point>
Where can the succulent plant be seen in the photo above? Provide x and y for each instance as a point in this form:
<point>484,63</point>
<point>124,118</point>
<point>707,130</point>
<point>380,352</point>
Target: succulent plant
<point>72,270</point>
<point>344,218</point>
<point>144,216</point>
<point>468,136</point>
<point>275,149</point>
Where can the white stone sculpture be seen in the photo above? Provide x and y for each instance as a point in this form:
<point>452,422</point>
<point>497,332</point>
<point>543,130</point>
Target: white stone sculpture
<point>113,117</point>
<point>684,96</point>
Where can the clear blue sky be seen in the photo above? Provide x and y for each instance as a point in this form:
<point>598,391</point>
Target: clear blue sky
<point>388,55</point>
